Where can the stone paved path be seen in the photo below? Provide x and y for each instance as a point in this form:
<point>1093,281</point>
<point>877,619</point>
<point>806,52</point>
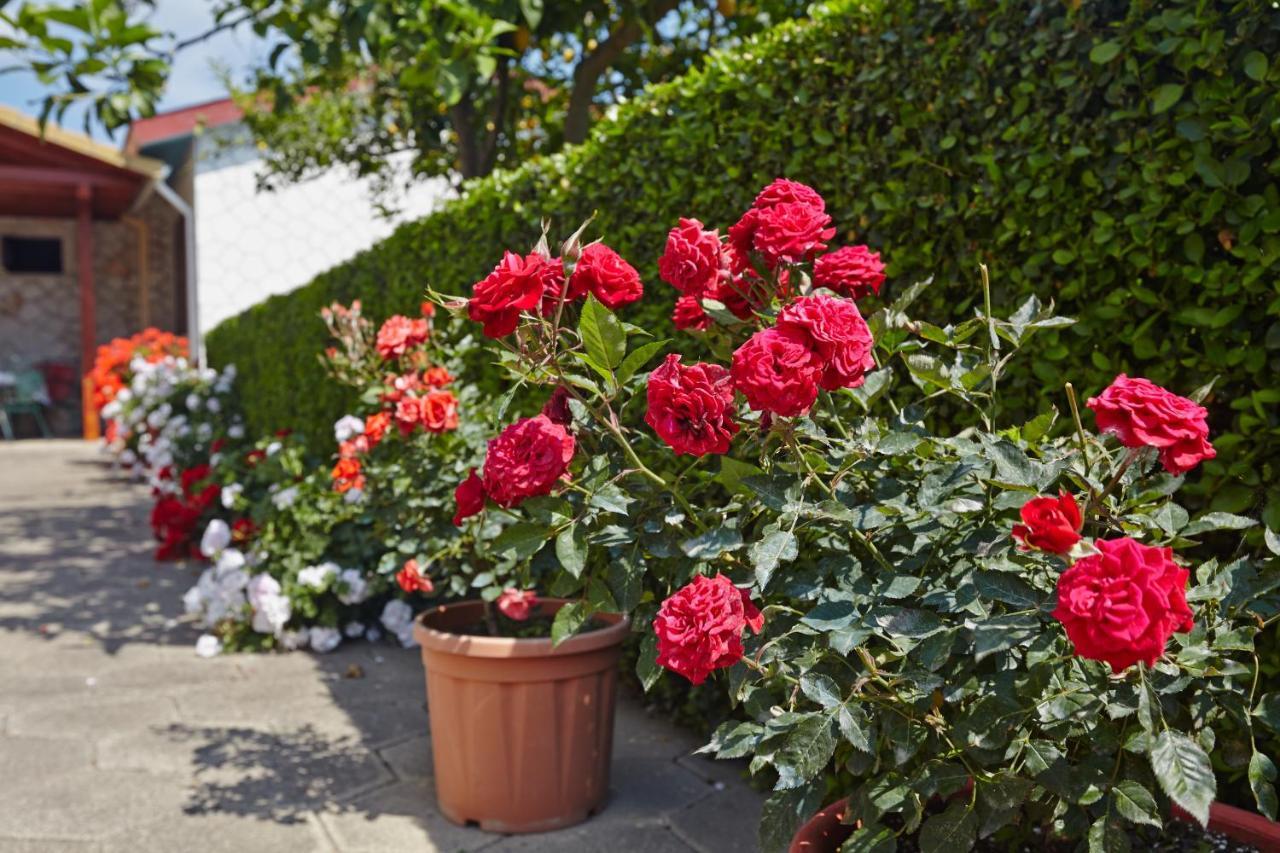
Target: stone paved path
<point>114,736</point>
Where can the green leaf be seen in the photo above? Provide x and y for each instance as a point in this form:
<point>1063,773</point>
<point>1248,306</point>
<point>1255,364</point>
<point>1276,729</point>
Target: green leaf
<point>1104,52</point>
<point>1107,836</point>
<point>782,814</point>
<point>1006,587</point>
<point>639,357</point>
<point>523,540</point>
<point>821,689</point>
<point>626,582</point>
<point>1255,65</point>
<point>850,719</point>
<point>1217,521</point>
<point>778,546</point>
<point>1262,775</point>
<point>1165,97</point>
<point>569,619</point>
<point>713,543</point>
<point>1134,802</point>
<point>1272,540</point>
<point>875,838</point>
<point>1184,772</point>
<point>805,752</point>
<point>571,549</point>
<point>952,830</point>
<point>647,669</point>
<point>602,334</point>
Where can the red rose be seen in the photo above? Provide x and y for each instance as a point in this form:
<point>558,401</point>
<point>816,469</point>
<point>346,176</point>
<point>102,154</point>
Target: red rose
<point>1142,414</point>
<point>783,191</point>
<point>375,427</point>
<point>777,371</point>
<point>516,603</point>
<point>1123,604</point>
<point>516,285</point>
<point>791,232</point>
<point>400,334</point>
<point>436,377</point>
<point>699,628</point>
<point>399,386</point>
<point>527,459</point>
<point>1050,524</point>
<point>837,333</point>
<point>692,259</point>
<point>439,411</point>
<point>412,579</point>
<point>469,497</point>
<point>243,530</point>
<point>408,414</point>
<point>853,271</point>
<point>688,314</point>
<point>691,408</point>
<point>353,447</point>
<point>602,271</point>
<point>557,407</point>
<point>346,475</point>
<point>427,309</point>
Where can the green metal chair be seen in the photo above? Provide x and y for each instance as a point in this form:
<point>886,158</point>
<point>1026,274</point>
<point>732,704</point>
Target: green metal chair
<point>28,396</point>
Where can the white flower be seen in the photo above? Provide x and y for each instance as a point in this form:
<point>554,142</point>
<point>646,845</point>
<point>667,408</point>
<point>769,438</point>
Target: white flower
<point>373,635</point>
<point>271,613</point>
<point>236,431</point>
<point>208,646</point>
<point>353,629</point>
<point>273,448</point>
<point>193,600</point>
<point>216,537</point>
<point>229,495</point>
<point>353,496</point>
<point>214,406</point>
<point>396,615</point>
<point>353,588</point>
<point>347,427</point>
<point>262,586</point>
<point>294,640</point>
<point>231,560</point>
<point>285,498</point>
<point>193,402</point>
<point>128,458</point>
<point>317,577</point>
<point>324,640</point>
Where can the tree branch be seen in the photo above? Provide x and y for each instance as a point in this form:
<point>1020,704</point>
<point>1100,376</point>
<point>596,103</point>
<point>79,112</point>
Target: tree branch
<point>213,31</point>
<point>587,75</point>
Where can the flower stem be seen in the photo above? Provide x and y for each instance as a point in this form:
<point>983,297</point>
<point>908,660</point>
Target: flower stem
<point>1075,415</point>
<point>1129,458</point>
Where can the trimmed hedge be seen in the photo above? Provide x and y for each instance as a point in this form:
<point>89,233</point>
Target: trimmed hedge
<point>1117,157</point>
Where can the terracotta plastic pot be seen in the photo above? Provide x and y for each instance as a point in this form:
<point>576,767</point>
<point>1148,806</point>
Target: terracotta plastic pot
<point>521,733</point>
<point>822,833</point>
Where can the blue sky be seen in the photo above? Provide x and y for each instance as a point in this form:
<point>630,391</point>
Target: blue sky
<point>194,78</point>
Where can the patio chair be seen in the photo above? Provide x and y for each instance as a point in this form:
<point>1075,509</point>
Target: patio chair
<point>26,395</point>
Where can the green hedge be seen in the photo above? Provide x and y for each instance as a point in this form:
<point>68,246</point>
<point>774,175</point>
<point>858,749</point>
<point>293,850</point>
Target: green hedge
<point>1117,157</point>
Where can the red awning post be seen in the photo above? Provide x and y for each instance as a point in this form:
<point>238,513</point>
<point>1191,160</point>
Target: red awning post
<point>88,303</point>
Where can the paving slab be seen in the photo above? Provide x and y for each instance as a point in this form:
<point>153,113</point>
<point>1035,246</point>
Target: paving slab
<point>116,738</point>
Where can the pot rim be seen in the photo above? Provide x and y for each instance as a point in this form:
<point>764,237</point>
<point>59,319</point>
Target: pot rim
<point>469,645</point>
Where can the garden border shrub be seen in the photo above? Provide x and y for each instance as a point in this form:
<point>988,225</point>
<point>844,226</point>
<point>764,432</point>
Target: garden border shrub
<point>1118,157</point>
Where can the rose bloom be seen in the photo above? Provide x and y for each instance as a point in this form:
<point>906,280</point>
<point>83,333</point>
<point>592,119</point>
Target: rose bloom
<point>603,272</point>
<point>1050,524</point>
<point>691,408</point>
<point>436,377</point>
<point>837,333</point>
<point>354,447</point>
<point>853,271</point>
<point>517,604</point>
<point>427,309</point>
<point>777,371</point>
<point>1123,604</point>
<point>399,334</point>
<point>469,497</point>
<point>412,579</point>
<point>399,386</point>
<point>691,261</point>
<point>527,459</point>
<point>439,411</point>
<point>516,285</point>
<point>1142,414</point>
<point>408,414</point>
<point>688,314</point>
<point>699,628</point>
<point>347,476</point>
<point>375,427</point>
<point>783,191</point>
<point>790,233</point>
<point>242,530</point>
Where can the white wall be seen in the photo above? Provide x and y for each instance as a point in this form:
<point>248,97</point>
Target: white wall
<point>251,245</point>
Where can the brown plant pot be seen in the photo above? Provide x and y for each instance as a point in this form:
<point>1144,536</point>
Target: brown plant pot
<point>521,732</point>
<point>824,833</point>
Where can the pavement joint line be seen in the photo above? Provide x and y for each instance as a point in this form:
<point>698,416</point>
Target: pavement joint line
<point>320,828</point>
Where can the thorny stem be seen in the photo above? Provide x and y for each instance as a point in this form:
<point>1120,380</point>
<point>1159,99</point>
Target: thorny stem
<point>1075,415</point>
<point>991,343</point>
<point>1129,458</point>
<point>657,479</point>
